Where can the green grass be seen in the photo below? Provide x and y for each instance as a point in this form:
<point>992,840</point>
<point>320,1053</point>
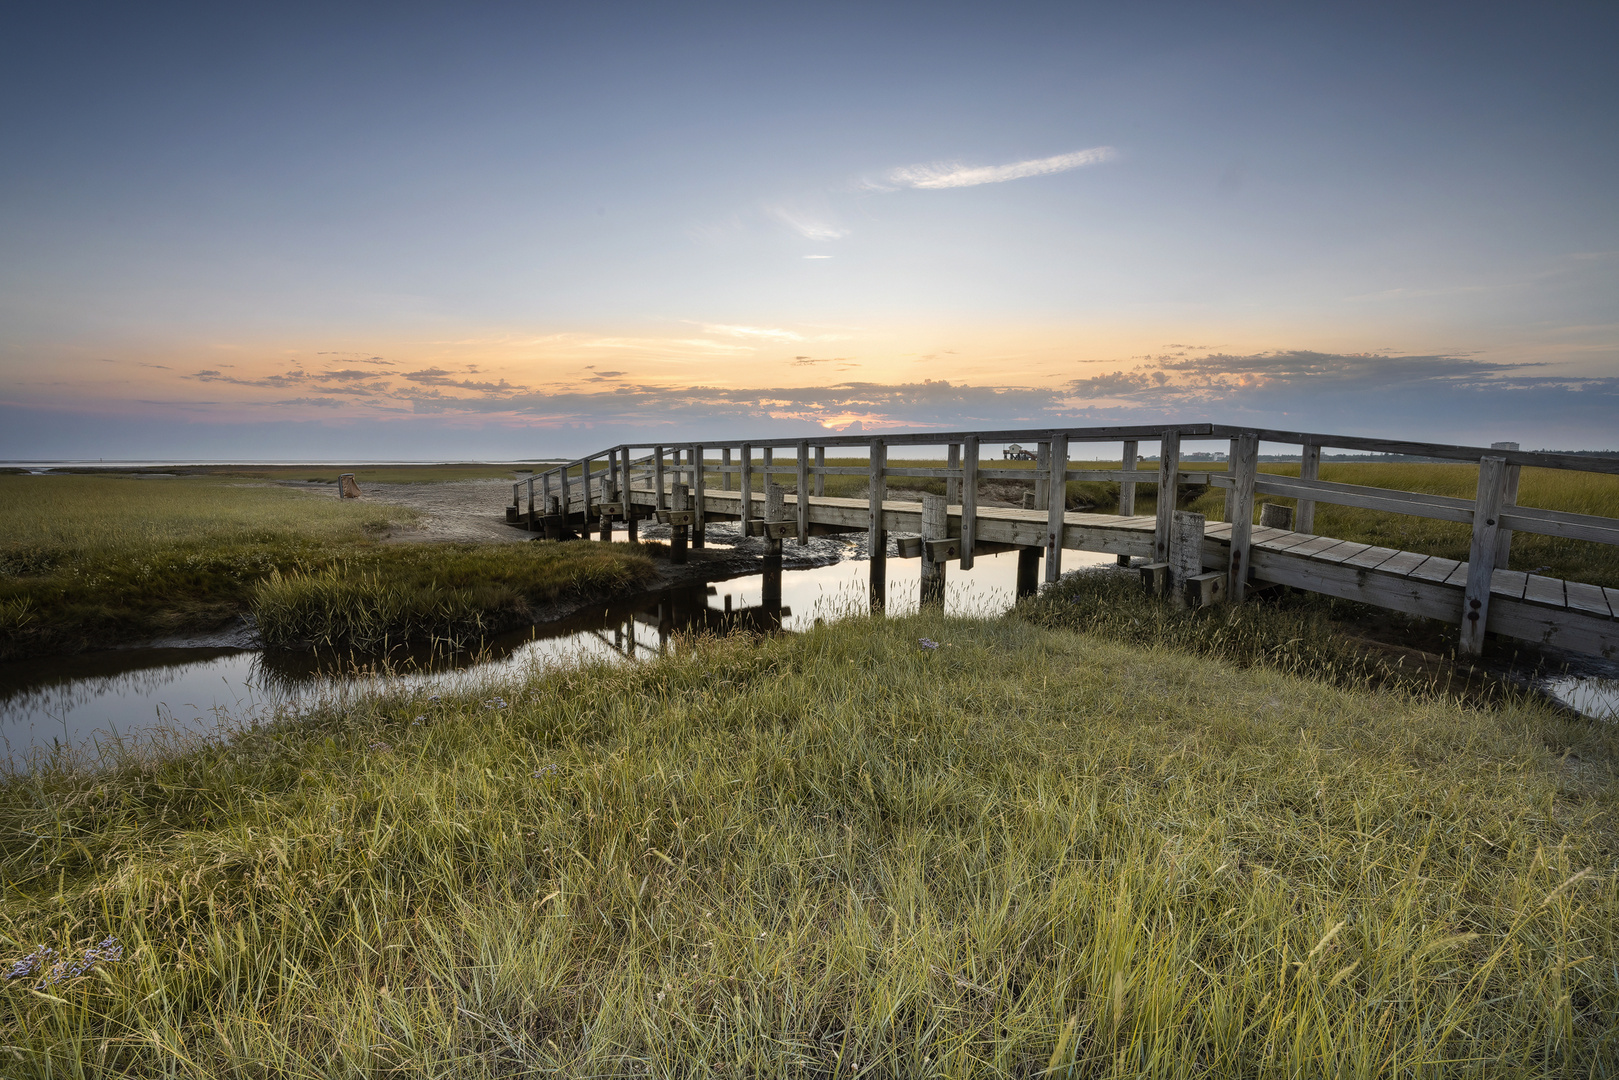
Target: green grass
<point>95,560</point>
<point>1029,852</point>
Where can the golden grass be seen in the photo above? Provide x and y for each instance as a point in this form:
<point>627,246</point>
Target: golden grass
<point>1028,852</point>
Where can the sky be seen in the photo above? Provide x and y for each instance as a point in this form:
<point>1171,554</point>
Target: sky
<point>518,230</point>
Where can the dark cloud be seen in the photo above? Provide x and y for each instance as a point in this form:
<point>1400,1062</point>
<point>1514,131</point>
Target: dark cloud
<point>349,375</point>
<point>440,377</point>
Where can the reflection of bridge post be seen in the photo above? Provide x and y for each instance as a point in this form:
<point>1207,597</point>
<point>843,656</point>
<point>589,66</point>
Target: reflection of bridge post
<point>1028,571</point>
<point>666,622</point>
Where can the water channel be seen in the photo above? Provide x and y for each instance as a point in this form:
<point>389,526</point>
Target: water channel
<point>89,701</point>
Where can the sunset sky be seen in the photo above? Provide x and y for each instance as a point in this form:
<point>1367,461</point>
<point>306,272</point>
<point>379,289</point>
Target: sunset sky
<point>461,231</point>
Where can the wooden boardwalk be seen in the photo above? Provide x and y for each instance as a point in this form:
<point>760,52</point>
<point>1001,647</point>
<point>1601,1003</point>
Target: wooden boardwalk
<point>1230,558</point>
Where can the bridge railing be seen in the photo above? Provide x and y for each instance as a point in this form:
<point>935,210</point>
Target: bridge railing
<point>610,475</point>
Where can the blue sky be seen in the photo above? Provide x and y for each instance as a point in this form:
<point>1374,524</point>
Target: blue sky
<point>513,229</point>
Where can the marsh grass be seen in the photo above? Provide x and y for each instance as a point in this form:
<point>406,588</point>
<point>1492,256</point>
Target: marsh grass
<point>449,594</point>
<point>1028,852</point>
<point>363,474</point>
<point>94,560</point>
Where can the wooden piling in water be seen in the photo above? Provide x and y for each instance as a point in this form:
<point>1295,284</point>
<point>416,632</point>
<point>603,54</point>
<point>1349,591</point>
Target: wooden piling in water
<point>876,537</point>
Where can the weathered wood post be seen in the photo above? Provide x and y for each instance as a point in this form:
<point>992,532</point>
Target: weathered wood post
<point>1169,468</point>
<point>660,501</point>
<point>1042,489</point>
<point>1231,474</point>
<point>952,483</point>
<point>746,484</point>
<point>969,500</point>
<point>553,516</point>
<point>584,495</point>
<point>1276,516</point>
<point>699,485</point>
<point>631,530</point>
<point>775,513</point>
<point>876,537</point>
<point>1503,537</point>
<point>1186,556</point>
<point>1244,463</point>
<point>935,526</point>
<point>820,475</point>
<point>679,516</point>
<point>1309,469</point>
<point>1481,556</point>
<point>531,503</point>
<point>803,492</point>
<point>1127,488</point>
<point>1057,459</point>
<point>563,506</point>
<point>725,470</point>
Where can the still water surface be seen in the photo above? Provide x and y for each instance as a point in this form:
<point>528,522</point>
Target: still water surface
<point>88,700</point>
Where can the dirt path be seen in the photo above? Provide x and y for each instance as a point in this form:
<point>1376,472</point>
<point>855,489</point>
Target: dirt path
<point>470,511</point>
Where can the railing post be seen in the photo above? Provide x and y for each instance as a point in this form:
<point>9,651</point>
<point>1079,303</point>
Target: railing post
<point>1231,473</point>
<point>952,484</point>
<point>803,492</point>
<point>1169,467</point>
<point>1481,556</point>
<point>820,477</point>
<point>1244,464</point>
<point>876,538</point>
<point>725,470</point>
<point>584,487</point>
<point>699,529</point>
<point>746,483</point>
<point>1503,537</point>
<point>1042,487</point>
<point>1309,469</point>
<point>1127,488</point>
<point>564,504</point>
<point>935,526</point>
<point>969,500</point>
<point>531,503</point>
<point>1057,460</point>
<point>615,490</point>
<point>660,502</point>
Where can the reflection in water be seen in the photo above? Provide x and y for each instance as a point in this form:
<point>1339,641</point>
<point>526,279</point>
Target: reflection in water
<point>84,701</point>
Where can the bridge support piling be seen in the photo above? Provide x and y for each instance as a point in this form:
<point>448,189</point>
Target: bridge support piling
<point>1028,571</point>
<point>746,482</point>
<point>775,513</point>
<point>969,500</point>
<point>1127,488</point>
<point>678,528</point>
<point>876,537</point>
<point>1057,459</point>
<point>1186,557</point>
<point>699,528</point>
<point>935,526</point>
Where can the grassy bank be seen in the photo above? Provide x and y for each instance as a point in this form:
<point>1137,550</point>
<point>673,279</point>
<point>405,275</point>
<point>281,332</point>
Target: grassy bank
<point>95,560</point>
<point>1024,852</point>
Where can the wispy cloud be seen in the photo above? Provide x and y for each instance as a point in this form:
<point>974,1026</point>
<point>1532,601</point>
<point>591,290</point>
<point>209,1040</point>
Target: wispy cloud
<point>768,333</point>
<point>809,225</point>
<point>953,174</point>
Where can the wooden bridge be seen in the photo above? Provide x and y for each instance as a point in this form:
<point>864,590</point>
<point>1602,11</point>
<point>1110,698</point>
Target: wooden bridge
<point>1177,552</point>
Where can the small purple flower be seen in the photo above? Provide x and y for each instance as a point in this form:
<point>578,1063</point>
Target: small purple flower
<point>544,771</point>
<point>928,643</point>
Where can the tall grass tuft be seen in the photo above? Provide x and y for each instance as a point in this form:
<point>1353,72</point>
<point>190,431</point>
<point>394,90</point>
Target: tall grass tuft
<point>334,608</point>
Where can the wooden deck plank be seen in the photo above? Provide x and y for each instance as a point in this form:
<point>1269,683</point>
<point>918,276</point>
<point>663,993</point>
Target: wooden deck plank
<point>1403,563</point>
<point>1437,569</point>
<point>1291,541</point>
<point>1311,547</point>
<point>1508,583</point>
<point>1587,598</point>
<point>1342,553</point>
<point>1544,590</point>
<point>1613,599</point>
<point>1458,576</point>
<point>1218,530</point>
<point>1372,558</point>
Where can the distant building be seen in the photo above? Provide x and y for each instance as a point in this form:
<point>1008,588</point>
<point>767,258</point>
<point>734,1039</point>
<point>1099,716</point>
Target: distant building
<point>1014,452</point>
<point>1503,446</point>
